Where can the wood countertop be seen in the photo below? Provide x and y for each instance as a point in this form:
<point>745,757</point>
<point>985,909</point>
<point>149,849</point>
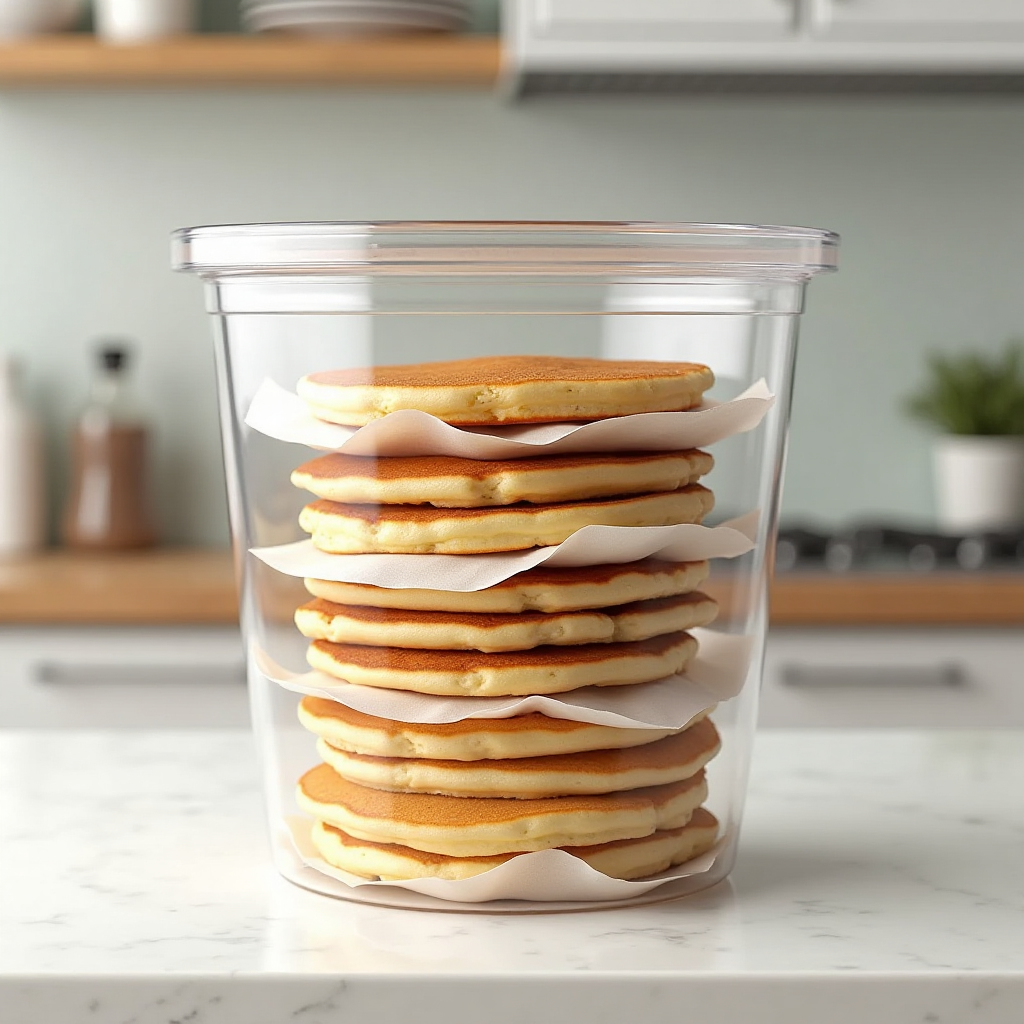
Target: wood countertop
<point>898,599</point>
<point>167,586</point>
<point>194,586</point>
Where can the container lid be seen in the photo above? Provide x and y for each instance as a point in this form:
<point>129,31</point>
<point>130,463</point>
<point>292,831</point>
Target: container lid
<point>472,248</point>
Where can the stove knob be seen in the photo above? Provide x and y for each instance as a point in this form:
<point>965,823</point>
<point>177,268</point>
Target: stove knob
<point>972,553</point>
<point>839,556</point>
<point>922,558</point>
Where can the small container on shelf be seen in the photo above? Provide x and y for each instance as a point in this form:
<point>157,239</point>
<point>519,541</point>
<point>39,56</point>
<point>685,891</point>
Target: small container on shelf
<point>143,21</point>
<point>21,19</point>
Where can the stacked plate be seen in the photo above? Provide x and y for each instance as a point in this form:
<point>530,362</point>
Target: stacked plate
<point>352,17</point>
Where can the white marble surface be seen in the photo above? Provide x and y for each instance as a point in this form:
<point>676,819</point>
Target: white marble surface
<point>881,880</point>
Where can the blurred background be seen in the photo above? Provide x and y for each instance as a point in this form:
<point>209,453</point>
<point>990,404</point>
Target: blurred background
<point>898,123</point>
<point>924,189</point>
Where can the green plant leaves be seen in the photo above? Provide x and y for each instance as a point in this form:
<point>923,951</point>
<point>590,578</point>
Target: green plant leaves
<point>973,394</point>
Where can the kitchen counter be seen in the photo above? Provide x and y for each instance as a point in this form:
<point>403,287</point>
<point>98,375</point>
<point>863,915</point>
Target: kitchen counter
<point>881,879</point>
<point>164,586</point>
<point>196,586</point>
<point>898,599</point>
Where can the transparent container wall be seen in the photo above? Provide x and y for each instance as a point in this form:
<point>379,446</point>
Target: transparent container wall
<point>283,328</point>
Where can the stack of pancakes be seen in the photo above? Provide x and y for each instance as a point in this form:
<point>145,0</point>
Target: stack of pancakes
<point>395,800</point>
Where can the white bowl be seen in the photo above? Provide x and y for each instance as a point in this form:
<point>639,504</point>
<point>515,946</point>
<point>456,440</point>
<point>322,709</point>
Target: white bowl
<point>20,18</point>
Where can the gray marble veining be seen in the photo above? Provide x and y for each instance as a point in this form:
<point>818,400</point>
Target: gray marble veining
<point>881,878</point>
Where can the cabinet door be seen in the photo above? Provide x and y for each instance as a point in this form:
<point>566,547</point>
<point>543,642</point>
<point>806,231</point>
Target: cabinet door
<point>908,20</point>
<point>902,678</point>
<point>121,678</point>
<point>613,20</point>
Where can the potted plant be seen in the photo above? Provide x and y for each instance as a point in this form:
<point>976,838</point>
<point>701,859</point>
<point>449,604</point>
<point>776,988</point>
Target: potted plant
<point>978,403</point>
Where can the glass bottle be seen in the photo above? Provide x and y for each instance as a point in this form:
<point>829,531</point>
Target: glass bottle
<point>22,506</point>
<point>109,507</point>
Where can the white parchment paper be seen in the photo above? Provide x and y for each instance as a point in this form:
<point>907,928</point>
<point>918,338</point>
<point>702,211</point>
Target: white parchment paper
<point>281,414</point>
<point>716,674</point>
<point>545,877</point>
<point>593,545</point>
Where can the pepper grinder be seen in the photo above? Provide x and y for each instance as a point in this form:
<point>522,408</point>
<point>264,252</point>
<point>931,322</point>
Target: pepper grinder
<point>109,505</point>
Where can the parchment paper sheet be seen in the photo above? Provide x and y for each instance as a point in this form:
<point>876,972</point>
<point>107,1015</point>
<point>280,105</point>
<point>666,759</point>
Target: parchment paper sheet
<point>593,545</point>
<point>544,877</point>
<point>281,414</point>
<point>717,673</point>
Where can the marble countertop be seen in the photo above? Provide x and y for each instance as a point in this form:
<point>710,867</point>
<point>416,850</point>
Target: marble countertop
<point>880,879</point>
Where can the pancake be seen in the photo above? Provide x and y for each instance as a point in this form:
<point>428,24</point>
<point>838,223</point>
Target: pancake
<point>506,389</point>
<point>448,482</point>
<point>626,858</point>
<point>541,589</point>
<point>421,530</point>
<point>604,771</point>
<point>473,739</point>
<point>464,827</point>
<point>546,669</point>
<point>389,627</point>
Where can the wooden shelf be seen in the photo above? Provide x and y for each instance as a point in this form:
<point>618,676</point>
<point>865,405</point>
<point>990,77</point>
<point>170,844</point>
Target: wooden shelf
<point>227,60</point>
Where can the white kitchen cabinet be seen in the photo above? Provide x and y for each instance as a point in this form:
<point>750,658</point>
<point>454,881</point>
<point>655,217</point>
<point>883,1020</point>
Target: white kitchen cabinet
<point>657,45</point>
<point>660,19</point>
<point>180,677</point>
<point>121,677</point>
<point>894,677</point>
<point>910,20</point>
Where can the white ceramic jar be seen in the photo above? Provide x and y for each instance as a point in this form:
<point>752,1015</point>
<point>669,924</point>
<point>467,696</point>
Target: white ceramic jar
<point>141,21</point>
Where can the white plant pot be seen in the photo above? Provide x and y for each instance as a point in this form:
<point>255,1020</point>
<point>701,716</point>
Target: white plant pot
<point>979,483</point>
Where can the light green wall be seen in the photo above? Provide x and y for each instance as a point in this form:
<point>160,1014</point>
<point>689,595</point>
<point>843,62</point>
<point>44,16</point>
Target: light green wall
<point>928,194</point>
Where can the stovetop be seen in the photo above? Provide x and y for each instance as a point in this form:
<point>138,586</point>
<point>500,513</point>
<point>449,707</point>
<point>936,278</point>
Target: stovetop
<point>882,546</point>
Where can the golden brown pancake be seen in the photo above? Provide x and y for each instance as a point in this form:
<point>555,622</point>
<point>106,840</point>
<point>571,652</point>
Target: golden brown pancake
<point>542,589</point>
<point>506,389</point>
<point>390,627</point>
<point>449,482</point>
<point>603,771</point>
<point>422,529</point>
<point>463,826</point>
<point>472,739</point>
<point>625,858</point>
<point>548,669</point>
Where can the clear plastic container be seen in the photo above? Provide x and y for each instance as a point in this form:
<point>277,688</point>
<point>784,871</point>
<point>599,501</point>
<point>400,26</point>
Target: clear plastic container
<point>295,299</point>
